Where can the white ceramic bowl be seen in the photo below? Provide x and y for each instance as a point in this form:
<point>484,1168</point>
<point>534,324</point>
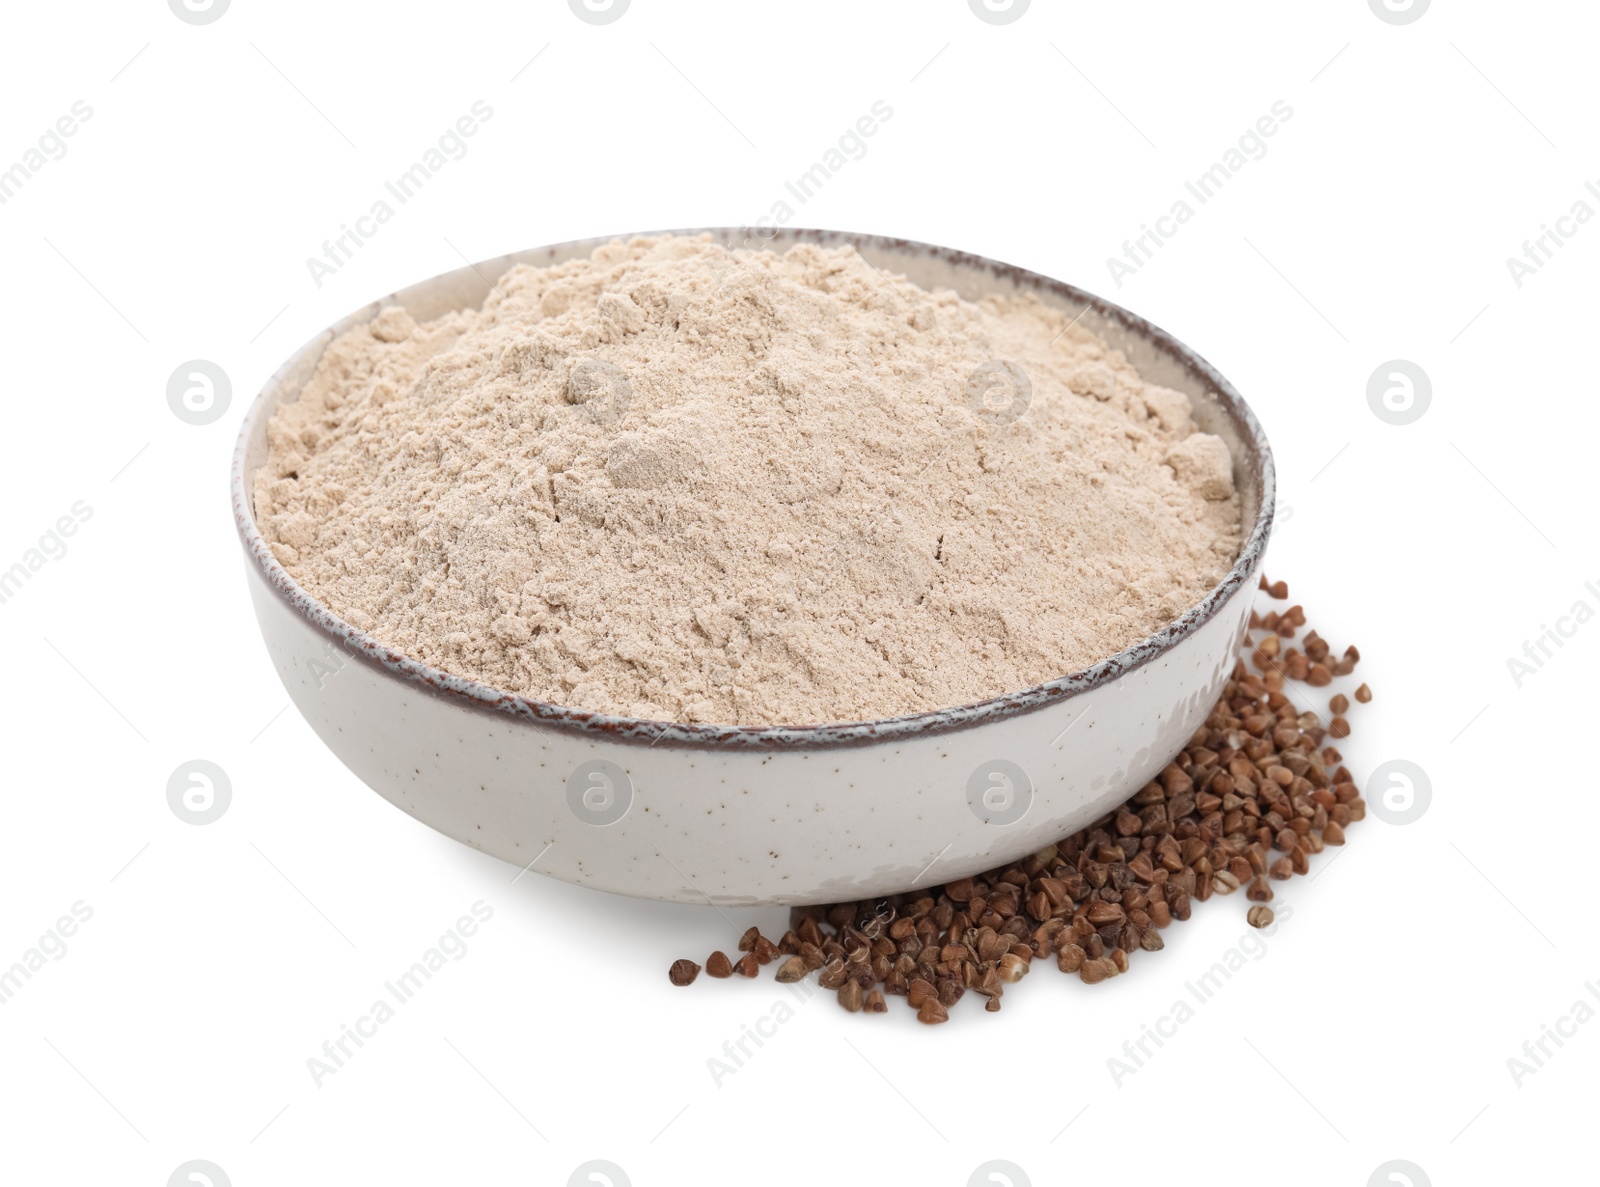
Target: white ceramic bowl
<point>747,816</point>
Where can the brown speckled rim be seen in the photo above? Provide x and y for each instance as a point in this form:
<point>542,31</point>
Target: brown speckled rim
<point>471,694</point>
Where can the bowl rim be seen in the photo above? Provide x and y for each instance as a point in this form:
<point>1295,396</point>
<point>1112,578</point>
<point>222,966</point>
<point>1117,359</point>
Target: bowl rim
<point>476,695</point>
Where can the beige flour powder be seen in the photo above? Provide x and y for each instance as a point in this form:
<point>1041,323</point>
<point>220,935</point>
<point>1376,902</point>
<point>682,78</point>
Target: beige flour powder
<point>675,483</point>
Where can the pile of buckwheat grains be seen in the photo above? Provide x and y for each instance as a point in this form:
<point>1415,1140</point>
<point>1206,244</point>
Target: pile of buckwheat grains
<point>1252,797</point>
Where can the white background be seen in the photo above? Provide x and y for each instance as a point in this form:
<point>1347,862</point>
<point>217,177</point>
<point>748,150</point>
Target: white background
<point>219,958</point>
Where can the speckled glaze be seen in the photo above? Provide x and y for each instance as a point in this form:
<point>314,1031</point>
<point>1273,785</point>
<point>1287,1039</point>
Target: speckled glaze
<point>741,815</point>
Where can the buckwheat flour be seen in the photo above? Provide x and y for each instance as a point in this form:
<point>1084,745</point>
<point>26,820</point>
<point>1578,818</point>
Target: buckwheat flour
<point>673,482</point>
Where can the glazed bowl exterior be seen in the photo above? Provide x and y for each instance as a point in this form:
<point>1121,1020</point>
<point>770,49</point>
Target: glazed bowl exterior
<point>747,816</point>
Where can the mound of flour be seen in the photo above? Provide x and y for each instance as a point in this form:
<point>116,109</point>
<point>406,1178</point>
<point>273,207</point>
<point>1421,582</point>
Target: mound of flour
<point>673,482</point>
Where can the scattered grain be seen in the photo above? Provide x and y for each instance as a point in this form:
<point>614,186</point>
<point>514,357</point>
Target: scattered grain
<point>683,972</point>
